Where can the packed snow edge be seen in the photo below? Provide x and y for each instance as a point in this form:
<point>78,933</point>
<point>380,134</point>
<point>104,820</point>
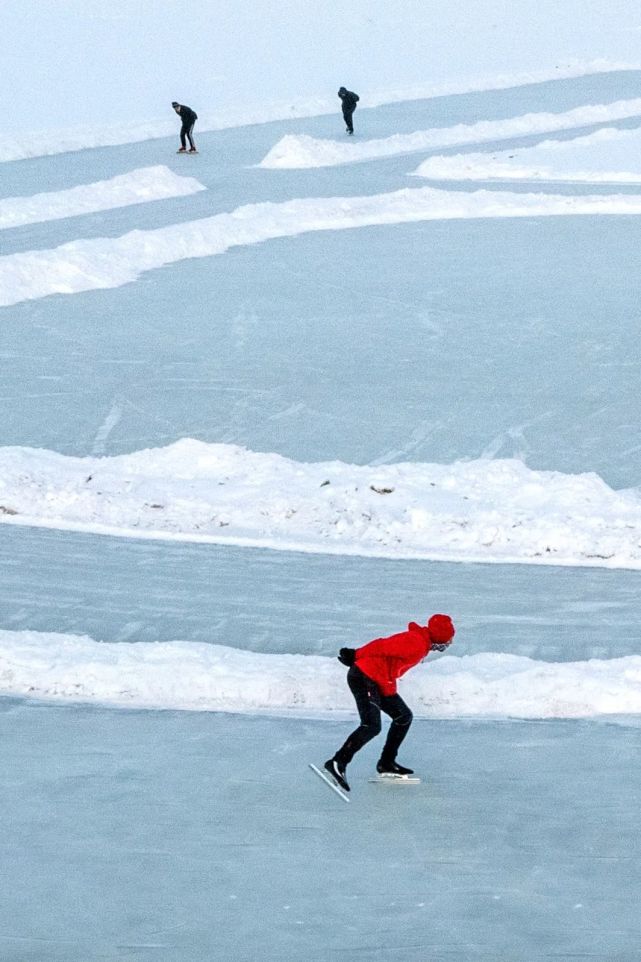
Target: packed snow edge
<point>482,510</point>
<point>196,676</point>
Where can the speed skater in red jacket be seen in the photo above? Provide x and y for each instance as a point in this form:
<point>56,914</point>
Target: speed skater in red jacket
<point>373,672</point>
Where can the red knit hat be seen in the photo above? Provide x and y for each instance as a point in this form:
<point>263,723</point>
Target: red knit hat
<point>441,629</point>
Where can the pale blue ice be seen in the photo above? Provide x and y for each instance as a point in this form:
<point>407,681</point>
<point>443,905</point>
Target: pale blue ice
<point>185,837</point>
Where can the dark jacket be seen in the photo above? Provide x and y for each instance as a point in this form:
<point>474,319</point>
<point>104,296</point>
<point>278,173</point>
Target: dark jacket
<point>187,115</point>
<point>349,99</point>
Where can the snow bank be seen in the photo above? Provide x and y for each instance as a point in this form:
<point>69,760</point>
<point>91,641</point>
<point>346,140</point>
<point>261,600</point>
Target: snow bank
<point>492,511</point>
<point>197,676</point>
<point>108,262</point>
<point>136,187</point>
<point>608,156</point>
<point>303,151</point>
<point>47,143</point>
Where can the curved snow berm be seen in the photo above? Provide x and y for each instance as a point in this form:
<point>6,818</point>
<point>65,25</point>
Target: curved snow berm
<point>135,187</point>
<point>609,156</point>
<point>108,262</point>
<point>302,151</point>
<point>197,676</point>
<point>484,510</point>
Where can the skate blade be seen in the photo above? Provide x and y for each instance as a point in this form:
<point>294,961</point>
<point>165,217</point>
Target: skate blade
<point>329,781</point>
<point>395,780</point>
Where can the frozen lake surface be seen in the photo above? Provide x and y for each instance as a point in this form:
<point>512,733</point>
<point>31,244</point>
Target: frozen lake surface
<point>201,834</point>
<point>426,342</point>
<point>185,836</point>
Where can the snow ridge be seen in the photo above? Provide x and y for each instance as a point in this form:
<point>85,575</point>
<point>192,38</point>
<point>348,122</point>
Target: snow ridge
<point>107,262</point>
<point>136,187</point>
<point>201,677</point>
<point>608,156</point>
<point>484,510</point>
<point>301,151</point>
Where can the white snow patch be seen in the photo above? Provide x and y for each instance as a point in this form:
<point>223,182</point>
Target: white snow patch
<point>609,156</point>
<point>136,187</point>
<point>108,262</point>
<point>197,676</point>
<point>302,151</point>
<point>484,510</point>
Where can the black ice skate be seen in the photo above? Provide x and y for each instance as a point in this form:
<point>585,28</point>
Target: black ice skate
<point>392,768</point>
<point>337,771</point>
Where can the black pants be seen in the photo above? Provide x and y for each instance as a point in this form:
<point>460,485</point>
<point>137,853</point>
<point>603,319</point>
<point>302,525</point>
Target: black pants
<point>348,113</point>
<point>370,703</point>
<point>186,132</point>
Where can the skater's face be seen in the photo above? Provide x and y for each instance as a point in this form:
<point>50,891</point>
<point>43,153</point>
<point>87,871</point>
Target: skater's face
<point>441,646</point>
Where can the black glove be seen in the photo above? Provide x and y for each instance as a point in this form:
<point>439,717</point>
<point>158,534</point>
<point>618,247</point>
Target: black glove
<point>347,656</point>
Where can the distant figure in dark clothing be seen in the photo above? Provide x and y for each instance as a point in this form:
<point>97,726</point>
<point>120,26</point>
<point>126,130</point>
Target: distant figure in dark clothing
<point>189,118</point>
<point>349,100</point>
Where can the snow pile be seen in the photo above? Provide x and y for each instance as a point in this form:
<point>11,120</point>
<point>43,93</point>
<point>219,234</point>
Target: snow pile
<point>197,676</point>
<point>303,151</point>
<point>607,156</point>
<point>136,187</point>
<point>108,262</point>
<point>485,510</point>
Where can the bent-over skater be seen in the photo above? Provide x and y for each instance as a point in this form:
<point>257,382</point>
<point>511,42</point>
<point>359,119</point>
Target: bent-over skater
<point>374,670</point>
<point>349,101</point>
<point>189,118</point>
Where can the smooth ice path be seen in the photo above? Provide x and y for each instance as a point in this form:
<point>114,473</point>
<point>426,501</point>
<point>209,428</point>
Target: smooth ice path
<point>301,151</point>
<point>187,836</point>
<point>104,262</point>
<point>205,677</point>
<point>135,187</point>
<point>280,602</point>
<point>485,510</point>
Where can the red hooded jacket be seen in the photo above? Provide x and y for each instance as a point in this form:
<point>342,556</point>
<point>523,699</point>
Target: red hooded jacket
<point>384,660</point>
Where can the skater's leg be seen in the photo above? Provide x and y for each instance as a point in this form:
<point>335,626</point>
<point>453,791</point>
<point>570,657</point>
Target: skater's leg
<point>347,117</point>
<point>401,715</point>
<point>368,702</point>
<point>190,132</point>
<point>183,136</point>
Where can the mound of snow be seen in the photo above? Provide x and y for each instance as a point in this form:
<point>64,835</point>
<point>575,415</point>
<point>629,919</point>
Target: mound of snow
<point>304,152</point>
<point>136,187</point>
<point>108,262</point>
<point>485,510</point>
<point>197,676</point>
<point>608,156</point>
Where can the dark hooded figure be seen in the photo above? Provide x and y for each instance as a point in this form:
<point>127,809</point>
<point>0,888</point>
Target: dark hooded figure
<point>349,101</point>
<point>189,118</point>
